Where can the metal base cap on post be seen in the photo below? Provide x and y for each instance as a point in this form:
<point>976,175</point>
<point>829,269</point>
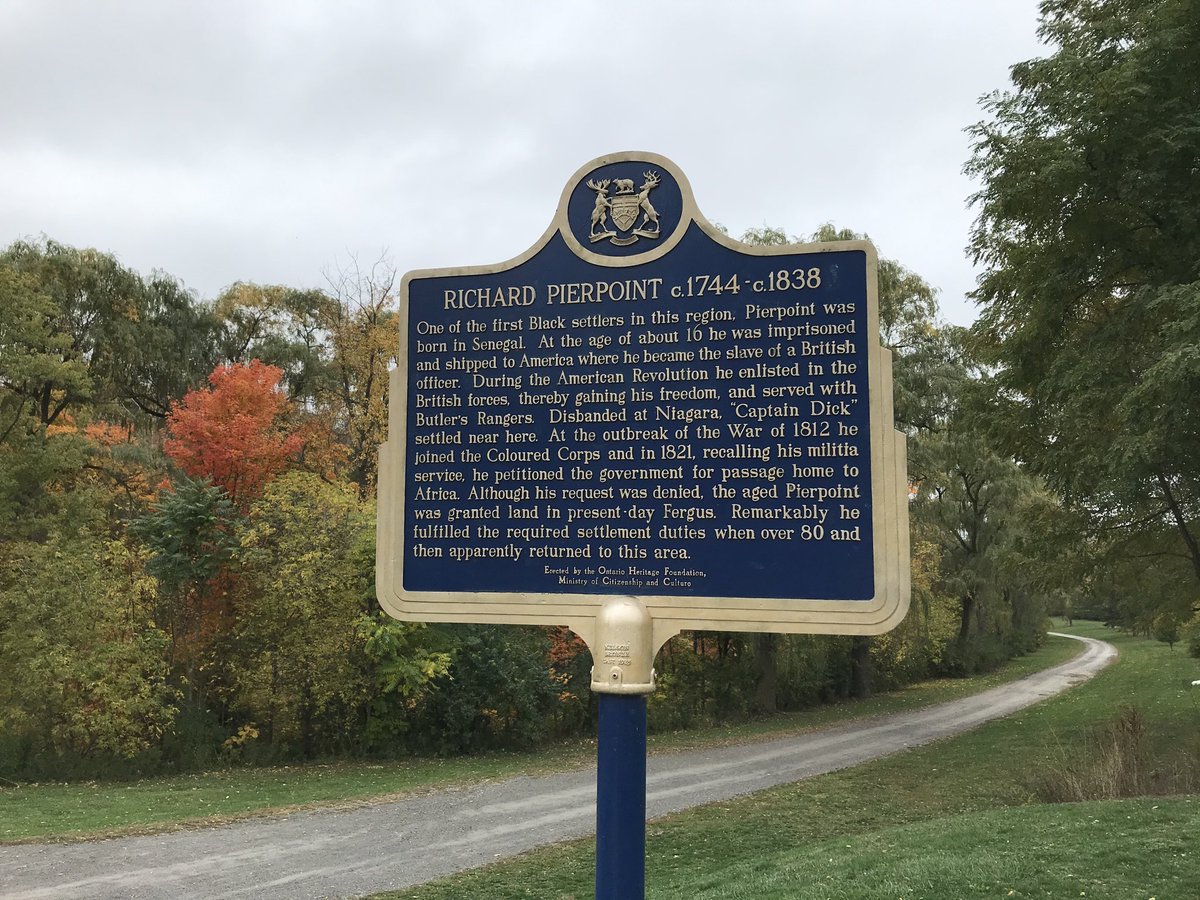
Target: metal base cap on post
<point>623,651</point>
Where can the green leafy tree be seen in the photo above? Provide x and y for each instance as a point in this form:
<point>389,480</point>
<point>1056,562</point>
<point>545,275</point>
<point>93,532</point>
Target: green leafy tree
<point>39,377</point>
<point>405,660</point>
<point>177,347</point>
<point>310,652</point>
<point>1191,634</point>
<point>190,533</point>
<point>926,369</point>
<point>279,325</point>
<point>90,314</point>
<point>85,680</point>
<point>39,373</point>
<point>974,502</point>
<point>190,536</point>
<point>916,648</point>
<point>1089,232</point>
<point>89,352</point>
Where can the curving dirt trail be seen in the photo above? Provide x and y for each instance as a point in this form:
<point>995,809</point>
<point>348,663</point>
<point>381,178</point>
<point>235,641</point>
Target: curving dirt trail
<point>349,853</point>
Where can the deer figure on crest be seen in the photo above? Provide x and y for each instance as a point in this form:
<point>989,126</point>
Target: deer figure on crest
<point>650,215</point>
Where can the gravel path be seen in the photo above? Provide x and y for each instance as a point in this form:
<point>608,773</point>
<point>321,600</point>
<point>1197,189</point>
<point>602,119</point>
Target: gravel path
<point>349,853</point>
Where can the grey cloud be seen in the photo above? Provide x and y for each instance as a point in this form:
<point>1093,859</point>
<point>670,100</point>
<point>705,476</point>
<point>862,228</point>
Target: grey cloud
<point>261,140</point>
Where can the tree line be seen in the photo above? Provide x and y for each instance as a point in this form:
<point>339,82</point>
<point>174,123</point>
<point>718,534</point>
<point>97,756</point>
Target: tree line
<point>187,561</point>
<point>187,485</point>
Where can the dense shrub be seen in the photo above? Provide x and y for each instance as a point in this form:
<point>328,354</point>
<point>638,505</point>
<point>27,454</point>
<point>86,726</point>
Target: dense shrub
<point>85,684</point>
<point>498,693</point>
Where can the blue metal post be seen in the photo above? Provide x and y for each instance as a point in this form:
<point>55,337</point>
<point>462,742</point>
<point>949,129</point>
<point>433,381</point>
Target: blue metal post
<point>621,798</point>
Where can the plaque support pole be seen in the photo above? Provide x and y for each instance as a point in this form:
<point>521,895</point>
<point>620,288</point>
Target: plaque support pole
<point>622,675</point>
<point>621,798</point>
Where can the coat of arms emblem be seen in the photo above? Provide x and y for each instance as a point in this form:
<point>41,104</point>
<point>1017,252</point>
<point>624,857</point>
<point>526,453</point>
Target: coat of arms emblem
<point>625,206</point>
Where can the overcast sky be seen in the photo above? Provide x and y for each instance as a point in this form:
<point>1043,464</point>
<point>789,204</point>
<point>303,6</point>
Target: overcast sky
<point>273,141</point>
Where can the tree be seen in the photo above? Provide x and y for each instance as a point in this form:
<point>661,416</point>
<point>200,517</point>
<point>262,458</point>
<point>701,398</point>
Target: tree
<point>90,314</point>
<point>39,378</point>
<point>335,348</point>
<point>1089,229</point>
<point>300,671</point>
<point>235,432</point>
<point>972,497</point>
<point>39,374</point>
<point>364,339</point>
<point>190,534</point>
<point>279,325</point>
<point>91,356</point>
<point>103,335</point>
<point>316,665</point>
<point>85,678</point>
<point>177,347</point>
<point>497,693</point>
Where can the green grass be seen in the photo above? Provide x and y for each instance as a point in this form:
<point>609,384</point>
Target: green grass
<point>77,811</point>
<point>950,820</point>
<point>87,810</point>
<point>1061,850</point>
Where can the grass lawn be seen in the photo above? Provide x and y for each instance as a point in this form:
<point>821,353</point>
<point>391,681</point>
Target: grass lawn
<point>84,810</point>
<point>1044,850</point>
<point>951,820</point>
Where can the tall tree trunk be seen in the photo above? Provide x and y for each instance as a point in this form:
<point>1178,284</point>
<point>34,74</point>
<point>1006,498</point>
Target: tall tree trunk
<point>860,667</point>
<point>964,622</point>
<point>766,668</point>
<point>1017,602</point>
<point>307,738</point>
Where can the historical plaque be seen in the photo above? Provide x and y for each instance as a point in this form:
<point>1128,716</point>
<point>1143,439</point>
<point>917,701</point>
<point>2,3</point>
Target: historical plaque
<point>640,406</point>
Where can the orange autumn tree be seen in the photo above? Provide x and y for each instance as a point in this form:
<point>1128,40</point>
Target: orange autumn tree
<point>234,432</point>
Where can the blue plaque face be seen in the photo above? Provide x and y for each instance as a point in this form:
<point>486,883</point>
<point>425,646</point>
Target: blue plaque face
<point>642,406</point>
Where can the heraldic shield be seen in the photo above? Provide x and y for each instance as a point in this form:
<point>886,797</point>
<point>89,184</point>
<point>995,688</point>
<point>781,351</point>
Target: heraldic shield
<point>625,210</point>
